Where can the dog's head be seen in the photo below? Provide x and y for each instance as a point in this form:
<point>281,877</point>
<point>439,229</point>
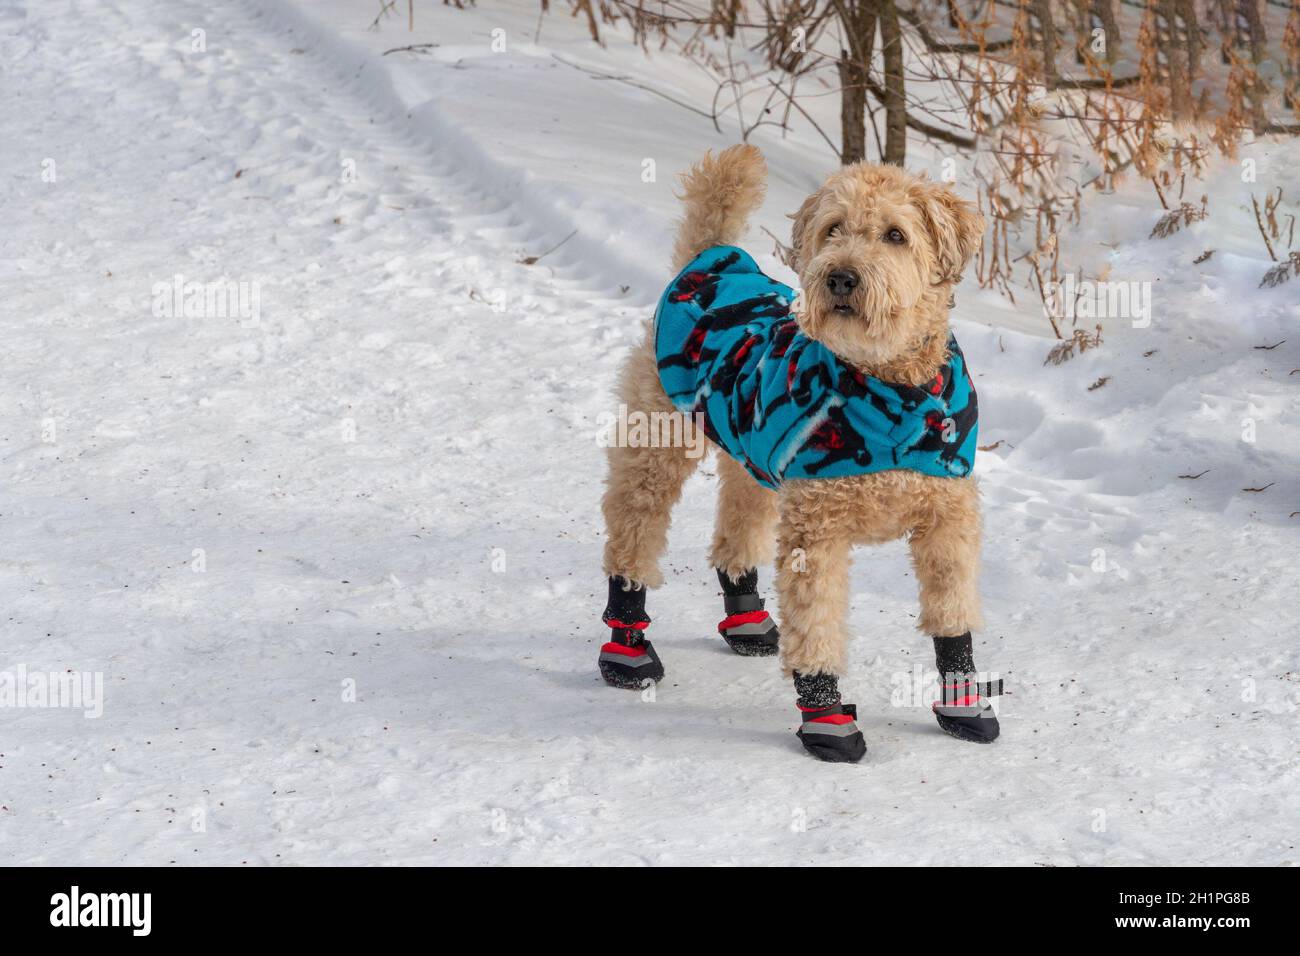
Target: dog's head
<point>877,251</point>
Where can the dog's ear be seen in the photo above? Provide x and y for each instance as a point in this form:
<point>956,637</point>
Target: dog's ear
<point>799,228</point>
<point>956,227</point>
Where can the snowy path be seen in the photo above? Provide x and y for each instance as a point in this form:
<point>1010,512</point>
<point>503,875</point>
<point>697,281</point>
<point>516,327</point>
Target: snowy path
<point>393,478</point>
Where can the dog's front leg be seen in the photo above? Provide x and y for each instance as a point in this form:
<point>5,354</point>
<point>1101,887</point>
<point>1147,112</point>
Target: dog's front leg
<point>945,548</point>
<point>945,544</point>
<point>812,583</point>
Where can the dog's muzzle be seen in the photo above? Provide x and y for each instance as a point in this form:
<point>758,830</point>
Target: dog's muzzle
<point>841,284</point>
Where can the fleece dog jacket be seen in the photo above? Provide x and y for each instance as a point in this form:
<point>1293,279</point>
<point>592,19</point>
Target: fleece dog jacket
<point>782,404</point>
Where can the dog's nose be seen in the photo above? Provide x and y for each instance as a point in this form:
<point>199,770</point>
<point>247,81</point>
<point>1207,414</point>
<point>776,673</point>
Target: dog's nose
<point>842,282</point>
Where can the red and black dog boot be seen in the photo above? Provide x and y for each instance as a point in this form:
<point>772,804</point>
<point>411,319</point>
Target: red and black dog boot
<point>627,659</point>
<point>829,730</point>
<point>748,629</point>
<point>964,709</point>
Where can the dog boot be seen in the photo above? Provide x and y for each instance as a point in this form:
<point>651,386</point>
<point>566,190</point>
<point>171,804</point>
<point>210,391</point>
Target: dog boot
<point>747,628</point>
<point>829,730</point>
<point>963,709</point>
<point>627,659</point>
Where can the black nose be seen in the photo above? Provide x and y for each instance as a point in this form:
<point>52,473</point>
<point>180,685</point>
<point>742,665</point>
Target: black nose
<point>842,282</point>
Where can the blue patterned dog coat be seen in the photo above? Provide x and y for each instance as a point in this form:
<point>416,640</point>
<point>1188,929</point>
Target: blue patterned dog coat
<point>784,405</point>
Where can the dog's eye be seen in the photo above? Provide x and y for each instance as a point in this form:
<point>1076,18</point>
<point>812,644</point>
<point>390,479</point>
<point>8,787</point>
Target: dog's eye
<point>895,235</point>
<point>833,231</point>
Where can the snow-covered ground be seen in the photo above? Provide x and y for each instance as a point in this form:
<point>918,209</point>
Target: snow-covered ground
<point>337,559</point>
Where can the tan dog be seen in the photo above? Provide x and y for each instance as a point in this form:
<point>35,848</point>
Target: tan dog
<point>877,251</point>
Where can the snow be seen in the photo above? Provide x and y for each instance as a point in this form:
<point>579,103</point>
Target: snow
<point>387,480</point>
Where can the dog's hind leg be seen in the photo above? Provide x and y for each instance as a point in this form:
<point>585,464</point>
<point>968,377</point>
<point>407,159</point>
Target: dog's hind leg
<point>812,582</point>
<point>643,484</point>
<point>744,537</point>
<point>744,534</point>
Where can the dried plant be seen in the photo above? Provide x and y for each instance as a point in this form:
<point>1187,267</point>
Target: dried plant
<point>1282,272</point>
<point>1266,220</point>
<point>1080,341</point>
<point>1176,219</point>
<point>993,85</point>
<point>1275,238</point>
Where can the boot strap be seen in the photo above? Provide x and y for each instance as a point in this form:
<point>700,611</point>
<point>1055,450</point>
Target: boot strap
<point>627,636</point>
<point>992,688</point>
<point>850,709</point>
<point>740,603</point>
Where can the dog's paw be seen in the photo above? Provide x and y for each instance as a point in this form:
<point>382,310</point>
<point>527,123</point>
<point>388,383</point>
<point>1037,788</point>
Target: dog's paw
<point>978,730</point>
<point>630,667</point>
<point>751,633</point>
<point>965,711</point>
<point>832,734</point>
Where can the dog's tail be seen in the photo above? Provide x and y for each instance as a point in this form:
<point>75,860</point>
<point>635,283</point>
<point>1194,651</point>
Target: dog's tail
<point>720,192</point>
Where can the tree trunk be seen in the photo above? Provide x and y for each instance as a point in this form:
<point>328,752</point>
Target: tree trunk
<point>1105,12</point>
<point>1191,38</point>
<point>853,109</point>
<point>1093,15</point>
<point>891,41</point>
<point>1291,60</point>
<point>1047,31</point>
<point>1257,41</point>
<point>858,18</point>
<point>1255,27</point>
<point>1083,21</point>
<point>1173,43</point>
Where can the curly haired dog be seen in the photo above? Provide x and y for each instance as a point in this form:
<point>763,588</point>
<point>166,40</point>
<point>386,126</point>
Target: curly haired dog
<point>846,417</point>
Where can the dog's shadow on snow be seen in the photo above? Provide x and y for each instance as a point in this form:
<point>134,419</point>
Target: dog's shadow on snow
<point>547,703</point>
<point>578,703</point>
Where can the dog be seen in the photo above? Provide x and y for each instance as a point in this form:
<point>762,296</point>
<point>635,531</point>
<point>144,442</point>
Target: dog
<point>844,416</point>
